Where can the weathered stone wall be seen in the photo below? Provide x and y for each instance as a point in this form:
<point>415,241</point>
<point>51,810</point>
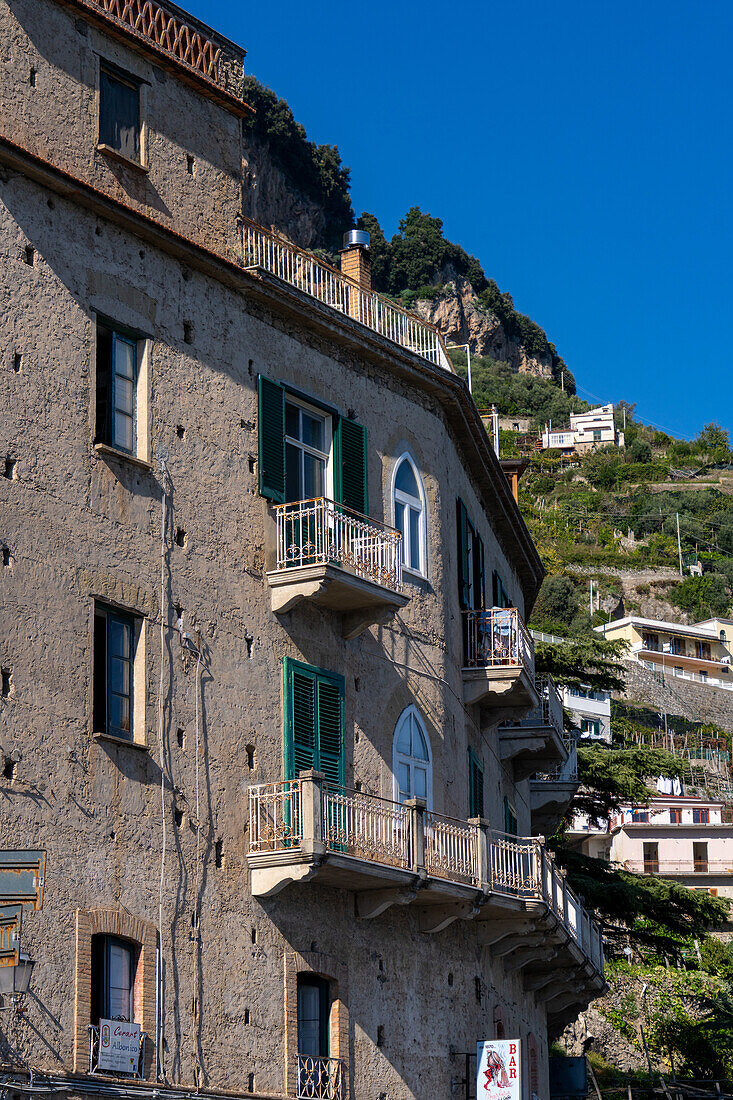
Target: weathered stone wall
<point>80,524</point>
<point>50,64</point>
<point>698,702</point>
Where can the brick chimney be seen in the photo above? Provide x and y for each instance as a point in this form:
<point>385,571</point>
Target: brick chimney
<point>356,263</point>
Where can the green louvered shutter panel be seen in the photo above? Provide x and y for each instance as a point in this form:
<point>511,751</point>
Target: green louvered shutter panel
<point>475,785</point>
<point>464,533</point>
<point>510,818</point>
<point>352,488</point>
<point>271,402</point>
<point>331,731</point>
<point>479,581</point>
<point>300,720</point>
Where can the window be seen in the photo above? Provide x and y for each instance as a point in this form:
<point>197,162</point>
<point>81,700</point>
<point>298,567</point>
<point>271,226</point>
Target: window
<point>116,637</point>
<point>113,978</point>
<point>702,650</point>
<point>678,647</point>
<point>313,1012</point>
<point>651,859</point>
<point>510,818</point>
<point>471,586</point>
<point>596,435</point>
<point>651,641</point>
<point>412,766</point>
<point>119,112</point>
<point>675,817</point>
<point>307,453</point>
<point>701,817</point>
<point>640,817</point>
<point>117,382</point>
<point>700,856</point>
<point>306,450</point>
<point>314,722</point>
<point>475,785</point>
<point>591,727</point>
<point>499,595</point>
<point>409,515</point>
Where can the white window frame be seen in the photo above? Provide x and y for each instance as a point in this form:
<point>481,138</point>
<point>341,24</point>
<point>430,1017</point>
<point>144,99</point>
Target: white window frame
<point>402,758</point>
<point>314,410</point>
<point>397,496</point>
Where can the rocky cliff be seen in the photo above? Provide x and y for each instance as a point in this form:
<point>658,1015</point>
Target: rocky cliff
<point>273,199</point>
<point>462,319</point>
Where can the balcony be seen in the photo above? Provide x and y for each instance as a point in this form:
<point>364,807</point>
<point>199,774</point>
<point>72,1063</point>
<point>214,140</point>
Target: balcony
<point>535,742</point>
<point>336,559</point>
<point>552,792</point>
<point>389,854</point>
<point>679,868</point>
<point>270,252</point>
<point>320,1078</point>
<point>498,668</point>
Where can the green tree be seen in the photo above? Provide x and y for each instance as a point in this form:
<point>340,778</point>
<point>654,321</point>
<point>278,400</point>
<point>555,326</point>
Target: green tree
<point>704,596</point>
<point>713,436</point>
<point>588,661</point>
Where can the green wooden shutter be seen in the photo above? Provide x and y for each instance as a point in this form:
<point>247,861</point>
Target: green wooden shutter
<point>475,785</point>
<point>479,581</point>
<point>314,722</point>
<point>300,719</point>
<point>464,533</point>
<point>510,818</point>
<point>350,454</point>
<point>271,401</point>
<point>331,731</point>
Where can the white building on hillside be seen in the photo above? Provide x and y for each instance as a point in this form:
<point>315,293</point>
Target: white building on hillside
<point>587,431</point>
<point>678,836</point>
<point>590,710</point>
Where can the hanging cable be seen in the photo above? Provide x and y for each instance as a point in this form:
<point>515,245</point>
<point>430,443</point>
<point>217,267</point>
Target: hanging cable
<point>161,751</point>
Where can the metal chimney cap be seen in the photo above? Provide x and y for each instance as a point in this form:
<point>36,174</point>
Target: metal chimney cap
<point>356,238</point>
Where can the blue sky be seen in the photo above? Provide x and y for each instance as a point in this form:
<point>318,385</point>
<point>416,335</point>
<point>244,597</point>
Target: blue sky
<point>582,151</point>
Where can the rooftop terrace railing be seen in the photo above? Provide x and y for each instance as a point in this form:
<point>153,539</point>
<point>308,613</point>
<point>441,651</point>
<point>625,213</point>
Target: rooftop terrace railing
<point>268,250</point>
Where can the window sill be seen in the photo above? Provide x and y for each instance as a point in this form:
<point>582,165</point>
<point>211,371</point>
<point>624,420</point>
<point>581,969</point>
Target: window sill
<point>115,154</point>
<point>120,741</point>
<point>114,452</point>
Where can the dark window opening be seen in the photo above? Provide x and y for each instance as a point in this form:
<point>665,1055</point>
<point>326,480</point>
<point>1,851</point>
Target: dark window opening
<point>180,537</point>
<point>219,853</point>
<point>10,469</point>
<point>32,78</point>
<point>313,1012</point>
<point>6,681</point>
<point>29,255</point>
<point>117,372</point>
<point>250,757</point>
<point>6,556</point>
<point>114,655</point>
<point>17,362</point>
<point>119,113</point>
<point>114,963</point>
<point>9,768</point>
<point>651,859</point>
<point>181,738</point>
<point>700,856</point>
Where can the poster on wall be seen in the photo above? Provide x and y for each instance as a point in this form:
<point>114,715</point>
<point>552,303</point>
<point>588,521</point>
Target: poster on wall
<point>119,1046</point>
<point>498,1070</point>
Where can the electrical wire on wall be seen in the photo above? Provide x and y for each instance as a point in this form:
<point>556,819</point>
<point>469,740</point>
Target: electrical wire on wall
<point>160,1010</point>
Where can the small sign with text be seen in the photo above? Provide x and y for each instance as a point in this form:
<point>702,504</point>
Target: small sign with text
<point>498,1070</point>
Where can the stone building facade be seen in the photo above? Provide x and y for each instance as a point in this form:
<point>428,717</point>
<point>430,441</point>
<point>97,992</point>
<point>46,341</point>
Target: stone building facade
<point>267,748</point>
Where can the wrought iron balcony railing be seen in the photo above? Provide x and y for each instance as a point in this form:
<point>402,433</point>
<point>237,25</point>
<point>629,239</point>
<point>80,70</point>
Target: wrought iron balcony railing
<point>268,250</point>
<point>321,532</point>
<point>497,638</point>
<point>304,813</point>
<point>320,1078</point>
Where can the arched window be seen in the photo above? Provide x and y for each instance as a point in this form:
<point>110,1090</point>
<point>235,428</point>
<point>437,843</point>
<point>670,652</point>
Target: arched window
<point>412,765</point>
<point>409,515</point>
